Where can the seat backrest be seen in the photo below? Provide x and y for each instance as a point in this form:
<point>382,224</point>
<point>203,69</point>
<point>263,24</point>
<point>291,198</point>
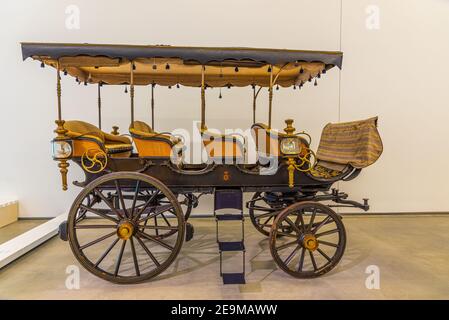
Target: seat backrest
<point>266,140</point>
<point>150,143</point>
<point>77,128</point>
<point>355,143</point>
<point>224,147</point>
<point>140,127</point>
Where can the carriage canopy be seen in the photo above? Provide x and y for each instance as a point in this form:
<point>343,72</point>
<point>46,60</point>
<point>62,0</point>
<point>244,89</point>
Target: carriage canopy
<point>171,65</point>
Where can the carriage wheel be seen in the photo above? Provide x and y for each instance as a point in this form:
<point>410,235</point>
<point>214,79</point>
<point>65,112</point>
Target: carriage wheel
<point>262,213</point>
<point>186,202</point>
<point>315,245</point>
<point>118,241</point>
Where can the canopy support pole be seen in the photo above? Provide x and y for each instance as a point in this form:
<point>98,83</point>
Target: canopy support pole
<point>60,130</point>
<point>152,105</point>
<point>270,97</point>
<point>203,100</point>
<point>131,91</point>
<point>58,91</point>
<point>270,90</point>
<point>99,105</point>
<point>255,94</point>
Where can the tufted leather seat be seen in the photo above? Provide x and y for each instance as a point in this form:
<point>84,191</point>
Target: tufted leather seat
<point>88,137</point>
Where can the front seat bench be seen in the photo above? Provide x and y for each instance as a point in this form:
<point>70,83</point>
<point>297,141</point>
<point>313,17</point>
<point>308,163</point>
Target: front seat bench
<point>88,138</point>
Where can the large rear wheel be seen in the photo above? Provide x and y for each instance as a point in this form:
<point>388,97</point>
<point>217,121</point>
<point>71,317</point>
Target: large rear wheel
<point>126,235</point>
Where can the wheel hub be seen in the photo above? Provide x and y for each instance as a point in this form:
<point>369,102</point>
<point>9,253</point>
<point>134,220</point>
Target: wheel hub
<point>125,230</point>
<point>310,242</point>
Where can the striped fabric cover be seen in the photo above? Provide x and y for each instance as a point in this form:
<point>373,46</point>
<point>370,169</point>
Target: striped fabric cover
<point>357,143</point>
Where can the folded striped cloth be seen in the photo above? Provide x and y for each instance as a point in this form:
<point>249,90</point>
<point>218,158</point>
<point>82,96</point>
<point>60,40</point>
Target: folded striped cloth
<point>357,143</point>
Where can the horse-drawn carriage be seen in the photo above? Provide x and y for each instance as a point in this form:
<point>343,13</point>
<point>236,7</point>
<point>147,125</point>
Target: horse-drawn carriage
<point>130,219</point>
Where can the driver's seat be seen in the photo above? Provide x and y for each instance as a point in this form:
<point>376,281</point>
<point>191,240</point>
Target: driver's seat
<point>88,138</point>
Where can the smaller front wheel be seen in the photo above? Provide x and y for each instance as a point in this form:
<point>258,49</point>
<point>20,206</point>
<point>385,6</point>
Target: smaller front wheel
<point>314,246</point>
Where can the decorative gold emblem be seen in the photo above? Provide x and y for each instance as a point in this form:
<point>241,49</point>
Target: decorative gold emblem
<point>226,176</point>
<point>94,160</point>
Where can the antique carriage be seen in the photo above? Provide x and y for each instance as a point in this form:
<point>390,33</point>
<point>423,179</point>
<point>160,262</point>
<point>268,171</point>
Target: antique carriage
<point>130,219</point>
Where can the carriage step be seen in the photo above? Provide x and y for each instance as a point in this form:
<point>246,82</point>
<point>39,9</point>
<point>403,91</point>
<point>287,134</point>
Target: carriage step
<point>229,217</point>
<point>233,278</point>
<point>225,199</point>
<point>228,199</point>
<point>231,246</point>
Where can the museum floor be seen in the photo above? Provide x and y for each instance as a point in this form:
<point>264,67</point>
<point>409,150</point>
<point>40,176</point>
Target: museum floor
<point>412,253</point>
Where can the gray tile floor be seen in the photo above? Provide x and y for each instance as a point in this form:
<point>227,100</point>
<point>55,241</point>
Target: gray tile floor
<point>412,253</point>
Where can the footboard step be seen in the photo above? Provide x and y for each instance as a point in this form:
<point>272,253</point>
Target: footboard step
<point>231,246</point>
<point>234,278</point>
<point>229,217</point>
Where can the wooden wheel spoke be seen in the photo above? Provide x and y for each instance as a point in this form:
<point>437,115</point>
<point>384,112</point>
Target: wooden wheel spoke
<point>136,263</point>
<point>291,255</point>
<point>159,227</point>
<point>301,260</point>
<point>324,254</point>
<point>155,223</point>
<point>315,268</point>
<point>265,215</point>
<point>95,226</point>
<point>145,225</point>
<point>97,240</point>
<point>98,213</point>
<point>268,220</point>
<point>159,242</point>
<point>325,221</point>
<point>257,199</point>
<point>326,233</point>
<point>147,203</point>
<point>301,221</point>
<point>312,218</point>
<point>106,252</point>
<point>326,243</point>
<point>105,200</point>
<point>259,208</point>
<point>294,226</point>
<point>120,196</point>
<point>81,216</point>
<point>165,219</point>
<point>157,212</point>
<point>119,258</point>
<point>152,257</point>
<point>286,245</point>
<point>136,193</point>
<point>148,217</point>
<point>284,234</point>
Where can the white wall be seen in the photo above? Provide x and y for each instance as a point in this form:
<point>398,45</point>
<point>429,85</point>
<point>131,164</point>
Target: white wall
<point>397,72</point>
